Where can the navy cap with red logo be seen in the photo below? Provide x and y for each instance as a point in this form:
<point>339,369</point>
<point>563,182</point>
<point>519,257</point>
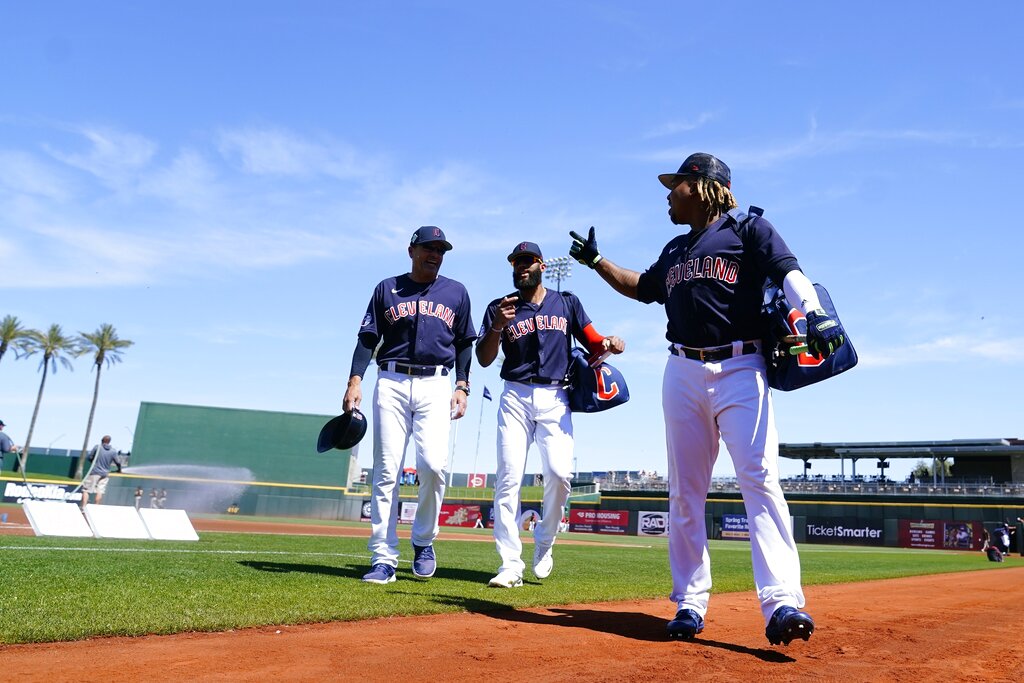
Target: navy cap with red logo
<point>699,164</point>
<point>430,233</point>
<point>527,248</point>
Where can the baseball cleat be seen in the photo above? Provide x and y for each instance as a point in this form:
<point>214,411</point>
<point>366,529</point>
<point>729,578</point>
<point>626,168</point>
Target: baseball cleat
<point>686,625</point>
<point>380,573</point>
<point>424,563</point>
<point>506,579</point>
<point>543,562</point>
<point>787,624</point>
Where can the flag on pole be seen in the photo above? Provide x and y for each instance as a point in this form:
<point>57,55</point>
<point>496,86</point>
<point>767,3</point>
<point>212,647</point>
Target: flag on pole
<point>487,394</point>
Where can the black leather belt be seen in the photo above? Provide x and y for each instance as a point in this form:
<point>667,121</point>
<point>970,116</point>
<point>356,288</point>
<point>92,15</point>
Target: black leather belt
<point>545,381</point>
<point>712,354</point>
<point>414,370</point>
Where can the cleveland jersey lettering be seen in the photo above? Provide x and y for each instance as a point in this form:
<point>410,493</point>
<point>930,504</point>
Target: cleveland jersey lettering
<point>718,268</point>
<point>536,343</point>
<point>539,322</point>
<point>417,322</point>
<point>711,287</point>
<point>409,308</point>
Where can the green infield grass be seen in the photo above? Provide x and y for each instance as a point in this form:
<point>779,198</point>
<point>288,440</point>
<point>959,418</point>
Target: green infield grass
<point>67,589</point>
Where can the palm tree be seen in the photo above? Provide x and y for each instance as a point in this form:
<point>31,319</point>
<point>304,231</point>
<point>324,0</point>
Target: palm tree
<point>54,345</point>
<point>11,333</point>
<point>106,347</point>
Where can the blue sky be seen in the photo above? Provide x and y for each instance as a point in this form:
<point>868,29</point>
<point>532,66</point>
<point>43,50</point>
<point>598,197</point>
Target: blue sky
<point>225,187</point>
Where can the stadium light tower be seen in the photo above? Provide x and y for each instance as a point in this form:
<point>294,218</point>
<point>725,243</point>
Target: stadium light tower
<point>558,269</point>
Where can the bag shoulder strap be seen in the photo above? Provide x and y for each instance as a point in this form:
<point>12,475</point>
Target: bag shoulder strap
<point>743,222</point>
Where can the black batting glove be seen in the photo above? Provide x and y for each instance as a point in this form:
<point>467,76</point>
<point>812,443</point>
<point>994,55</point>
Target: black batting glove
<point>585,250</point>
<point>824,335</point>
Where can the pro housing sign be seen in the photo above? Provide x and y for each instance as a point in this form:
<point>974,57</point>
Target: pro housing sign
<point>845,530</point>
<point>599,521</point>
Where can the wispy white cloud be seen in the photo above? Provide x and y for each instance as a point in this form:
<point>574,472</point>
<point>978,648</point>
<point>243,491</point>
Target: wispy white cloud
<point>948,349</point>
<point>114,157</point>
<point>23,174</point>
<point>158,221</point>
<point>674,127</point>
<point>817,143</point>
<point>188,181</point>
<point>274,151</point>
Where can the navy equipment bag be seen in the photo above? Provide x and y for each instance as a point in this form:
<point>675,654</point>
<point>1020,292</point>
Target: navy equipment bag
<point>782,322</point>
<point>593,389</point>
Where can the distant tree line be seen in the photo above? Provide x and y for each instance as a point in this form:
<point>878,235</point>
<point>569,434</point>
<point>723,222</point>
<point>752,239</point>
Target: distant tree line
<point>56,349</point>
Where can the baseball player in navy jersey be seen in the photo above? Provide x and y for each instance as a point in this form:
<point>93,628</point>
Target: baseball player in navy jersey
<point>423,324</point>
<point>533,328</point>
<point>710,281</point>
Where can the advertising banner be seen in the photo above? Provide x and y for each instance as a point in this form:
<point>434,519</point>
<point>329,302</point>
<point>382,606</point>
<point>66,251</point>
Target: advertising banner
<point>476,481</point>
<point>735,528</point>
<point>845,531</point>
<point>459,515</point>
<point>17,492</point>
<point>406,512</point>
<point>652,524</point>
<point>529,515</point>
<point>940,533</point>
<point>599,521</point>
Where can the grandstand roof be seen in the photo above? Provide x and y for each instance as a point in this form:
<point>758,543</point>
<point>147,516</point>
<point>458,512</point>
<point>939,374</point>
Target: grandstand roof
<point>886,450</point>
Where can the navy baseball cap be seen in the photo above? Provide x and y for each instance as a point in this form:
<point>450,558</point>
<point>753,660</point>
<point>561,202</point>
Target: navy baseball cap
<point>343,431</point>
<point>430,233</point>
<point>699,164</point>
<point>529,248</point>
<point>2,423</point>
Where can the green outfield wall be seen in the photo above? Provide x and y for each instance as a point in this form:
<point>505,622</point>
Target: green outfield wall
<point>271,446</point>
<point>207,459</point>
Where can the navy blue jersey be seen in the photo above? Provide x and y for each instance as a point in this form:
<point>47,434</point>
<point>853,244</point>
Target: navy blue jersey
<point>711,286</point>
<point>536,343</point>
<point>418,323</point>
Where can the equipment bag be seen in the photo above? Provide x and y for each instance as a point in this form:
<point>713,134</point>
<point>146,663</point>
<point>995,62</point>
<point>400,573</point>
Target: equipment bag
<point>787,372</point>
<point>593,389</point>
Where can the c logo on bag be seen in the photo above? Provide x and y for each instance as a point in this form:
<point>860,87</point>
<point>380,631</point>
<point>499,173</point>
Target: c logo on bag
<point>605,393</point>
<point>805,359</point>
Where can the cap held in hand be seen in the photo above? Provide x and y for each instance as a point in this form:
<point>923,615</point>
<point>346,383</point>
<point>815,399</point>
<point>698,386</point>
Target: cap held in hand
<point>342,432</point>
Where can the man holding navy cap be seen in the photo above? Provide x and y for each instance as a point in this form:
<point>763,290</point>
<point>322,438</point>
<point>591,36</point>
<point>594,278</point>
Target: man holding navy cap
<point>533,328</point>
<point>715,386</point>
<point>423,324</point>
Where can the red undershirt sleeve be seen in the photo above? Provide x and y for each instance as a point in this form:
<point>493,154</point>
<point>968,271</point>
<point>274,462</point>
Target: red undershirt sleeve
<point>594,339</point>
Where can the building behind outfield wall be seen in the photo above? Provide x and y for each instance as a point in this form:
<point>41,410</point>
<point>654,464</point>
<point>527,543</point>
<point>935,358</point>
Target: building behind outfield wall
<point>262,463</point>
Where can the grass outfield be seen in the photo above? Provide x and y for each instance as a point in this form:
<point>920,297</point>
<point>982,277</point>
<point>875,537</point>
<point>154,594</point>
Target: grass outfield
<point>67,589</point>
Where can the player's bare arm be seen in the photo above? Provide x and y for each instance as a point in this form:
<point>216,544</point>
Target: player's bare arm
<point>622,280</point>
<point>584,250</point>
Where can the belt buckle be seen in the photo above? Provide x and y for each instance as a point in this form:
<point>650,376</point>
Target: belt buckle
<point>700,355</point>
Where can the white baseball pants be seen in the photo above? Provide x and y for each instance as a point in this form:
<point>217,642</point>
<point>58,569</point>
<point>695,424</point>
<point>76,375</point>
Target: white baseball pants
<point>527,414</point>
<point>729,400</point>
<point>404,407</point>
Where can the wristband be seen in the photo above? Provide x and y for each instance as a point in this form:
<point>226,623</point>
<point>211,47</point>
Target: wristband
<point>460,387</point>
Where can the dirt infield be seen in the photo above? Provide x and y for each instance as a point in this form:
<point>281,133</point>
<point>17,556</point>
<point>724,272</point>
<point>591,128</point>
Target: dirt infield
<point>950,627</point>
